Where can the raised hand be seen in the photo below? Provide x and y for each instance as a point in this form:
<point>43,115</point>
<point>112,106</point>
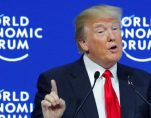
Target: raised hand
<point>52,105</point>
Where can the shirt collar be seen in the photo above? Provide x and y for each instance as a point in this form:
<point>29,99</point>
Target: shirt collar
<point>92,67</point>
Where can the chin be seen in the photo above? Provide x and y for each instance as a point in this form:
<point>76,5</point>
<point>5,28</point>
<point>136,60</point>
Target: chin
<point>116,56</point>
<point>114,60</point>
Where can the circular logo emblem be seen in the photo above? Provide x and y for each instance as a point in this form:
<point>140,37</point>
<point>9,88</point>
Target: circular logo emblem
<point>136,35</point>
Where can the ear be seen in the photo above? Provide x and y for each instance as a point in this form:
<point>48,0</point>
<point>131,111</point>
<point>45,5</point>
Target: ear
<point>84,45</point>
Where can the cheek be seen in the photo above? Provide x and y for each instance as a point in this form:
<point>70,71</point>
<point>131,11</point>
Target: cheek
<point>119,39</point>
<point>100,40</point>
<point>118,36</point>
<point>97,48</point>
<point>97,43</point>
<point>100,46</point>
<point>120,43</point>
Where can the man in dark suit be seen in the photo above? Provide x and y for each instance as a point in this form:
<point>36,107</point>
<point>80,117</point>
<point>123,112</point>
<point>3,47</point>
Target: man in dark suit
<point>61,90</point>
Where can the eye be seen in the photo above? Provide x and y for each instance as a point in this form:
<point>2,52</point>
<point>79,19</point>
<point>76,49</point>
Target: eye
<point>100,32</point>
<point>115,28</point>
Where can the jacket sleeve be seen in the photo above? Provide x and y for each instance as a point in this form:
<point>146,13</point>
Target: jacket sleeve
<point>43,87</point>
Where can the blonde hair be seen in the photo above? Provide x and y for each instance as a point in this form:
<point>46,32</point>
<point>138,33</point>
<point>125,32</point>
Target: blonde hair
<point>93,13</point>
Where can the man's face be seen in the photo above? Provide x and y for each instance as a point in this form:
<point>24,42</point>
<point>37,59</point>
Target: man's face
<point>103,41</point>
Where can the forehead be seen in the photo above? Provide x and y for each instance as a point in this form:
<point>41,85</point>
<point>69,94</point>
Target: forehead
<point>104,22</point>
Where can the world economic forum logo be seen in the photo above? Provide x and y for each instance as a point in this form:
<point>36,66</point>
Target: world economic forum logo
<point>136,34</point>
<point>15,104</point>
<point>16,34</point>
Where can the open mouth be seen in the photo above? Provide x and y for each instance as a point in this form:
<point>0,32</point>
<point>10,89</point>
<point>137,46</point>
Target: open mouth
<point>113,48</point>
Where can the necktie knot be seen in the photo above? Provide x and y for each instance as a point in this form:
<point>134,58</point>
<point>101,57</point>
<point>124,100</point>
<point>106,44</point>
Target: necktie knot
<point>107,74</point>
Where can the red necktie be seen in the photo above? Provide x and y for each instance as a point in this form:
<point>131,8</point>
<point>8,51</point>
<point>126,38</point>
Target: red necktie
<point>111,101</point>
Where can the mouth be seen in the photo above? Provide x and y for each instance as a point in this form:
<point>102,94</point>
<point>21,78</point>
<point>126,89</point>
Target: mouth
<point>113,48</point>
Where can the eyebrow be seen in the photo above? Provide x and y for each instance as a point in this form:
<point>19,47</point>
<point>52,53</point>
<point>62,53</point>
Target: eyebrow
<point>101,25</point>
<point>98,26</point>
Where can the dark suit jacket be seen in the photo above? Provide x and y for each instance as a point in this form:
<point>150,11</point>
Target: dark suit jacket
<point>73,85</point>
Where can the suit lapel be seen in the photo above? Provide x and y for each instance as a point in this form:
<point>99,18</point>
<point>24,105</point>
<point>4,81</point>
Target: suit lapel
<point>127,94</point>
<point>81,85</point>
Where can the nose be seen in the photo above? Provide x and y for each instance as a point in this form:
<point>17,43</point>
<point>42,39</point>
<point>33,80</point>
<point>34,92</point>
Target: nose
<point>111,35</point>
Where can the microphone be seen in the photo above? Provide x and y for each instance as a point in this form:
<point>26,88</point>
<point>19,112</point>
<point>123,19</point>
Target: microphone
<point>130,83</point>
<point>96,76</point>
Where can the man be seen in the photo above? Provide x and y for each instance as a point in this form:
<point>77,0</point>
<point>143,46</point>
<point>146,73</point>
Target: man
<point>61,90</point>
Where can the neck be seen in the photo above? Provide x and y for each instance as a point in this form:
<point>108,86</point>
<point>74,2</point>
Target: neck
<point>105,65</point>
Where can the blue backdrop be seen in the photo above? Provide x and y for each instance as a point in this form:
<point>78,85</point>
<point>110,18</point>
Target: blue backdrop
<point>36,35</point>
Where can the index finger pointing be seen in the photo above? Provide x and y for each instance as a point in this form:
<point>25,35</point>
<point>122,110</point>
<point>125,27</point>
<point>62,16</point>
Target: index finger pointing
<point>54,86</point>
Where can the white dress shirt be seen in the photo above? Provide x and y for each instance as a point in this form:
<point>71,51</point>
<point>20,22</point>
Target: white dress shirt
<point>98,90</point>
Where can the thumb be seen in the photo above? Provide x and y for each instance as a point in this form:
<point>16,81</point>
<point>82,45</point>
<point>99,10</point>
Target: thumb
<point>62,104</point>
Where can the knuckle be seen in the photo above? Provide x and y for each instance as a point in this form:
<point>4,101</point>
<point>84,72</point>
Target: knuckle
<point>46,96</point>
